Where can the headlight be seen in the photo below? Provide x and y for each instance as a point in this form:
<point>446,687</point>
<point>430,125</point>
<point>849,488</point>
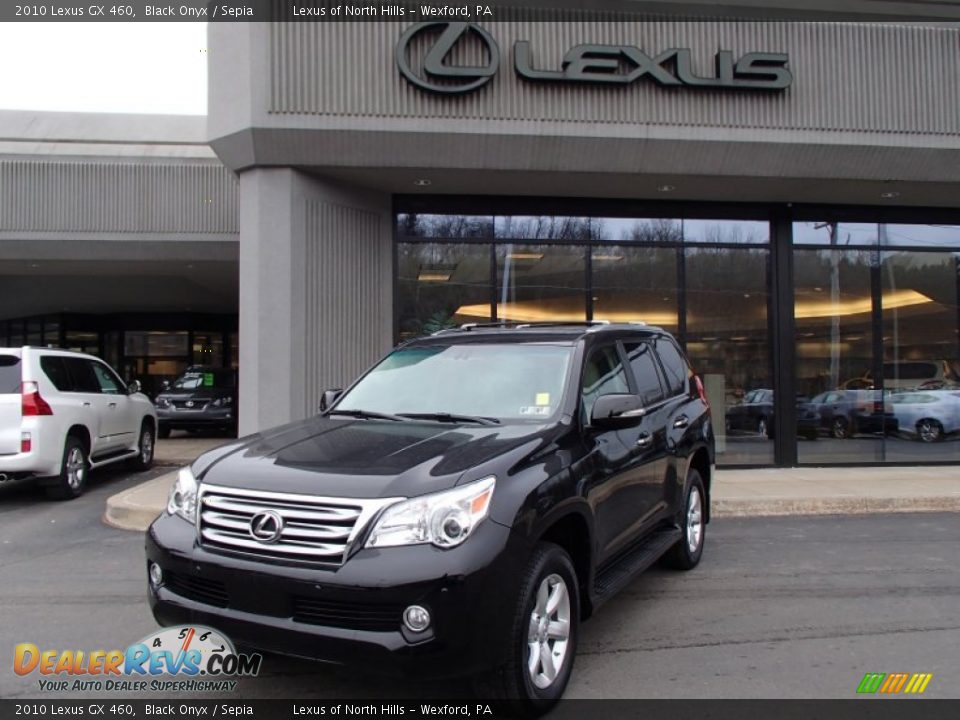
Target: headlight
<point>222,402</point>
<point>445,519</point>
<point>183,496</point>
<point>163,403</point>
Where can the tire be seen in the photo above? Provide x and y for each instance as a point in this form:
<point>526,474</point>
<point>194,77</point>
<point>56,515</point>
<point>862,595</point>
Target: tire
<point>840,428</point>
<point>146,447</point>
<point>74,470</point>
<point>549,578</point>
<point>164,432</point>
<point>686,554</point>
<point>929,430</point>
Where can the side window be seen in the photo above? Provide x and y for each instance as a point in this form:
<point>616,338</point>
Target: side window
<point>644,368</point>
<point>108,382</point>
<point>82,378</point>
<point>55,369</point>
<point>674,366</point>
<point>603,374</point>
<point>9,374</point>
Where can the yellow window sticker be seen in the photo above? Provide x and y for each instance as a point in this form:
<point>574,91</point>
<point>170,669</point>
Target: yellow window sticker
<point>543,399</point>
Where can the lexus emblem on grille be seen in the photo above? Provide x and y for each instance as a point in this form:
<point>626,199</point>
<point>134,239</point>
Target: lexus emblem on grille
<point>189,403</point>
<point>266,527</point>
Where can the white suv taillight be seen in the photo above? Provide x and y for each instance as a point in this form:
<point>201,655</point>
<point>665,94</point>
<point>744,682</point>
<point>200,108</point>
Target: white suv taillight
<point>32,404</point>
<point>26,442</point>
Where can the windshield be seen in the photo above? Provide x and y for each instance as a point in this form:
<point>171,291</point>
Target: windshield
<point>196,379</point>
<point>502,381</point>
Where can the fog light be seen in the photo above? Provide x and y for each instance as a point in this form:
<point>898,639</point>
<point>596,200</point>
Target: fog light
<point>156,575</point>
<point>416,618</point>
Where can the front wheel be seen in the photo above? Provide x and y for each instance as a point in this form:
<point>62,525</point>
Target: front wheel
<point>543,639</point>
<point>840,429</point>
<point>929,431</point>
<point>686,554</point>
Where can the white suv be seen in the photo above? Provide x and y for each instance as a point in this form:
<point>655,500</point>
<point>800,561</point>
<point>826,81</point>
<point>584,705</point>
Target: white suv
<point>63,413</point>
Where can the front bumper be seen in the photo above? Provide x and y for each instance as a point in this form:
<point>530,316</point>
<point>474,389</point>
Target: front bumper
<point>184,418</point>
<point>260,604</point>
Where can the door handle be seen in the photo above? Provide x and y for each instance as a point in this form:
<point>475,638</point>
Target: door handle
<point>644,440</point>
<point>681,422</point>
<point>86,404</point>
<point>111,404</point>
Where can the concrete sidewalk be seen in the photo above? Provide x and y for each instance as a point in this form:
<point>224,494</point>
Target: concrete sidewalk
<point>736,493</point>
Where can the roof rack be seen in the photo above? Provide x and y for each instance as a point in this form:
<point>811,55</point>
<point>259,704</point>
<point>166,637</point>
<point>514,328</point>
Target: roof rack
<point>467,327</point>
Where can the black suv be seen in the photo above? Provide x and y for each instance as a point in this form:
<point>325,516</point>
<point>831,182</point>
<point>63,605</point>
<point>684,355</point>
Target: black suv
<point>458,510</point>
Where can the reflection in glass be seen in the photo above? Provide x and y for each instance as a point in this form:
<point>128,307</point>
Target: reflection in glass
<point>208,348</point>
<point>635,284</point>
<point>541,283</point>
<point>919,235</point>
<point>733,232</point>
<point>542,227</point>
<point>656,230</point>
<point>729,347</point>
<point>921,354</point>
<point>834,352</point>
<point>831,233</point>
<point>442,285</point>
<point>444,226</point>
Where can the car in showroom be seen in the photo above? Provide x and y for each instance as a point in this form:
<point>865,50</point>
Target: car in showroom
<point>928,416</point>
<point>459,510</point>
<point>845,413</point>
<point>754,415</point>
<point>63,414</point>
<point>911,375</point>
<point>202,398</point>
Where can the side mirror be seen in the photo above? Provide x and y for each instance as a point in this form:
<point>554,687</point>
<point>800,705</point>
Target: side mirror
<point>328,398</point>
<point>611,412</point>
<point>134,387</point>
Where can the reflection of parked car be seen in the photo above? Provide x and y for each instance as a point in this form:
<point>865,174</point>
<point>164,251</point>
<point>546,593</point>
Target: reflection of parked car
<point>843,413</point>
<point>929,415</point>
<point>911,375</point>
<point>755,415</point>
<point>63,414</point>
<point>201,398</point>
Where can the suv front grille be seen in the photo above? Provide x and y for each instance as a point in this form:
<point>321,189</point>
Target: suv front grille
<point>349,615</point>
<point>310,529</point>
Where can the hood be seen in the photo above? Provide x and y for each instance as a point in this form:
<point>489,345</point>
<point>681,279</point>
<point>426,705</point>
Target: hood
<point>346,457</point>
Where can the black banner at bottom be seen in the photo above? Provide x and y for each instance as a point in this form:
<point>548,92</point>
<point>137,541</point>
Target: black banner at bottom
<point>854,709</point>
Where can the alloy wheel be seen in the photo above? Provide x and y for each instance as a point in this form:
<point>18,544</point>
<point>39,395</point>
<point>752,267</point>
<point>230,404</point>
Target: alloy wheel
<point>76,468</point>
<point>146,447</point>
<point>548,634</point>
<point>928,430</point>
<point>694,521</point>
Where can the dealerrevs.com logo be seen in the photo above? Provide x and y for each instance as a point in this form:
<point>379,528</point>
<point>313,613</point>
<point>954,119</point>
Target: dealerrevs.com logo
<point>203,659</point>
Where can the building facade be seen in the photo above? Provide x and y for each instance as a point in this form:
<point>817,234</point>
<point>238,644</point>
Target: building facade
<point>782,196</point>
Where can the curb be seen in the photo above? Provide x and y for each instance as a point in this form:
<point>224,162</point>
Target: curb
<point>135,508</point>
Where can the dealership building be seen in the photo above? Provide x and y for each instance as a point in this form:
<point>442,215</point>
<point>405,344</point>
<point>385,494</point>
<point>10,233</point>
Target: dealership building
<point>783,196</point>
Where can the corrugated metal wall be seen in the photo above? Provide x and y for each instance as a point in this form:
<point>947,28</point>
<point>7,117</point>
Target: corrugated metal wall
<point>348,298</point>
<point>117,196</point>
<point>848,76</point>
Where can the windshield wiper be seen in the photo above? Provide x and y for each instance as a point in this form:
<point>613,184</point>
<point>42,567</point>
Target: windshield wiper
<point>368,414</point>
<point>451,418</point>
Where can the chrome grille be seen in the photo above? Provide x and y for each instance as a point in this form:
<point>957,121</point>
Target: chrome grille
<point>312,529</point>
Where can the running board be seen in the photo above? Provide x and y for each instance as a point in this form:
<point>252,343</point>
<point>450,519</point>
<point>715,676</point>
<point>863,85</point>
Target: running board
<point>113,457</point>
<point>615,577</point>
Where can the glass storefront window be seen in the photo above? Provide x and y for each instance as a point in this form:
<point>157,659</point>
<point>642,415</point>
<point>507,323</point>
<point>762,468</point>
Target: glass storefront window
<point>635,284</point>
<point>542,227</point>
<point>156,344</point>
<point>541,283</point>
<point>835,234</point>
<point>731,232</point>
<point>234,350</point>
<point>837,405</point>
<point>208,348</point>
<point>442,285</point>
<point>659,231</point>
<point>444,226</point>
<point>727,296</point>
<point>35,332</point>
<point>80,341</point>
<point>921,355</point>
<point>931,236</point>
<point>51,332</point>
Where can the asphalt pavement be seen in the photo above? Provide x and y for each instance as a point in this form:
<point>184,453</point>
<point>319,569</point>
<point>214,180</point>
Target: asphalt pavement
<point>780,607</point>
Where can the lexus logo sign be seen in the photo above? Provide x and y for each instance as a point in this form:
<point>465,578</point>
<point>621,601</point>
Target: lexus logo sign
<point>435,74</point>
<point>596,64</point>
<point>266,527</point>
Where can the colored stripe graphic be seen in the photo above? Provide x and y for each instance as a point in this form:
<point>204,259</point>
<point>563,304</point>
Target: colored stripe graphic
<point>894,683</point>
